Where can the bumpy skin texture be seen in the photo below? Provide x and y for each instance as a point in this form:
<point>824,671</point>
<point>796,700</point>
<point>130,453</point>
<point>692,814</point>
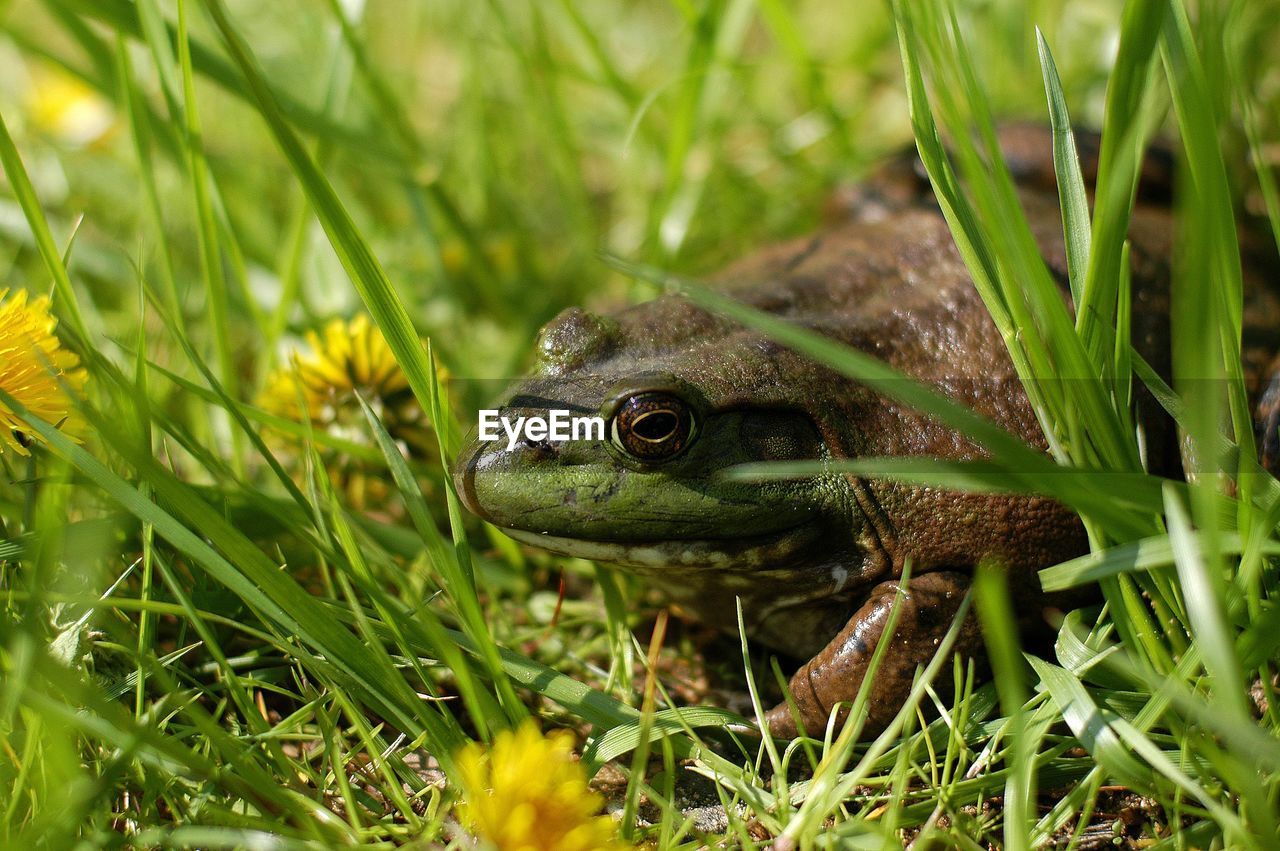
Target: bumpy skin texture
<point>815,562</point>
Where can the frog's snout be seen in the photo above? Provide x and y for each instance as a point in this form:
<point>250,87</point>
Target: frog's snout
<point>463,472</point>
<point>489,467</point>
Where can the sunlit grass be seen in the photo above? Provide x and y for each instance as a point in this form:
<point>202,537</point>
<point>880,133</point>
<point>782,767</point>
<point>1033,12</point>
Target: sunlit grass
<point>206,642</point>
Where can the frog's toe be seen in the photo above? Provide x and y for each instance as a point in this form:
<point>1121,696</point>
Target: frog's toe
<point>832,679</point>
<point>779,722</point>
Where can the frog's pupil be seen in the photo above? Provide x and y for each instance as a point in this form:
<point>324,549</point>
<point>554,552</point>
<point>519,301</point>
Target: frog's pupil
<point>656,426</point>
<point>652,426</point>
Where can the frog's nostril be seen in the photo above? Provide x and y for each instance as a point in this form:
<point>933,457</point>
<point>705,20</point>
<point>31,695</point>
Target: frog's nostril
<point>537,449</point>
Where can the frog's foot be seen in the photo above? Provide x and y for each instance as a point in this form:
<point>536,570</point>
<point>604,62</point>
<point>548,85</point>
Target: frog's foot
<point>835,675</point>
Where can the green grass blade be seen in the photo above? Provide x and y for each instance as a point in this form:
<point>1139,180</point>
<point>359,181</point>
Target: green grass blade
<point>1066,165</point>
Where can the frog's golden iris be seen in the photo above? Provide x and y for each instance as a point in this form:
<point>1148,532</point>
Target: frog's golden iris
<point>653,427</point>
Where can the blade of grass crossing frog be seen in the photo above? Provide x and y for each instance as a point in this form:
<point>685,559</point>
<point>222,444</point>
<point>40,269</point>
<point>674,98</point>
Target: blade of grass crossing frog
<point>443,558</point>
<point>1052,350</point>
<point>1093,491</point>
<point>246,571</point>
<point>1009,316</point>
<point>1198,121</point>
<point>1119,162</point>
<point>1066,165</point>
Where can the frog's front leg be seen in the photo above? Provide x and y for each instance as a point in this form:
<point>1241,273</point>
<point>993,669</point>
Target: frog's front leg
<point>835,675</point>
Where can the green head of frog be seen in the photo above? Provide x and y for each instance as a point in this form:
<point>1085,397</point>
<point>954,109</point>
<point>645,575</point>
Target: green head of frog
<point>653,420</point>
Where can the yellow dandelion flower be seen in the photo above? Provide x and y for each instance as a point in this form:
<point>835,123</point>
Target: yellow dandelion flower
<point>67,108</point>
<point>34,368</point>
<point>345,359</point>
<point>527,793</point>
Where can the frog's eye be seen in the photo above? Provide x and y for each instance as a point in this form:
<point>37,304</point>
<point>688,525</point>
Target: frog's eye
<point>652,426</point>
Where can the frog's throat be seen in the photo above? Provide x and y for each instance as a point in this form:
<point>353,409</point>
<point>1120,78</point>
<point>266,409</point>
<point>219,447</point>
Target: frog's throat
<point>713,553</point>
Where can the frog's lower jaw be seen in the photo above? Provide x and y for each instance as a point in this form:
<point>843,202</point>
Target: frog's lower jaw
<point>743,553</point>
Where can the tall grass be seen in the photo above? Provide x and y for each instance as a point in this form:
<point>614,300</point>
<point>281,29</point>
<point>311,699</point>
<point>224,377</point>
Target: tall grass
<point>206,643</point>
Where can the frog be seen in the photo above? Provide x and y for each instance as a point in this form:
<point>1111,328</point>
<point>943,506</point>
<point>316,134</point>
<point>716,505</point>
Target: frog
<point>812,567</point>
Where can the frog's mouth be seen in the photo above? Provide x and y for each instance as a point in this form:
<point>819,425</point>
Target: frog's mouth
<point>736,554</point>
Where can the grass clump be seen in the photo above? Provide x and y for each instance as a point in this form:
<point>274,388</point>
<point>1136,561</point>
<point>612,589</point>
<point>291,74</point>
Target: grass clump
<point>208,641</point>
